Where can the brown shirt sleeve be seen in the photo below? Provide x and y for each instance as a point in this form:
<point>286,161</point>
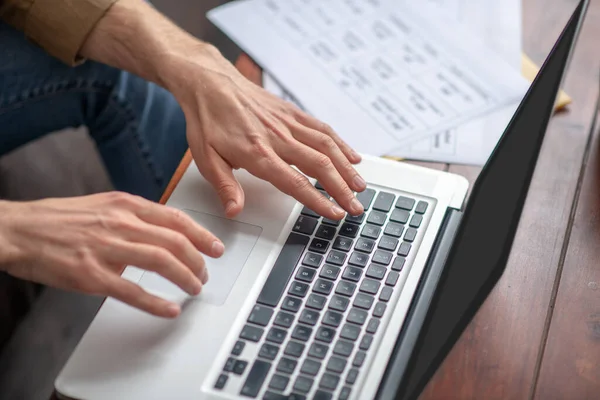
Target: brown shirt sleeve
<point>58,26</point>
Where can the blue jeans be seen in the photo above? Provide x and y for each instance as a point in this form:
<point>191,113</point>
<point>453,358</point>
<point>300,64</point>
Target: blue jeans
<point>138,127</point>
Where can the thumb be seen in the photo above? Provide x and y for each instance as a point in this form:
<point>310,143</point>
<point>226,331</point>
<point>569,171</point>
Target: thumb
<point>220,175</point>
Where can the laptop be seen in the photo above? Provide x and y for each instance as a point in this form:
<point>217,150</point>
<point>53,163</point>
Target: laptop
<point>302,307</point>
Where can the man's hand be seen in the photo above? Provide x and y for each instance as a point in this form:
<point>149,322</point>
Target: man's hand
<point>231,122</point>
<point>84,243</point>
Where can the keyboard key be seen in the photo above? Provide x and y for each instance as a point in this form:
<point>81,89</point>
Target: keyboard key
<point>298,289</point>
<point>312,260</point>
<point>398,263</point>
<point>276,335</point>
<point>392,278</point>
<point>305,225</point>
<point>377,218</point>
<point>291,303</point>
<point>325,334</point>
<point>252,333</point>
<point>256,378</point>
<point>336,364</point>
<point>329,381</point>
<point>310,367</point>
<point>376,271</point>
<point>323,286</point>
<point>309,317</point>
<point>369,286</point>
<point>283,269</point>
<point>269,395</point>
<point>370,231</point>
<point>330,272</point>
<point>421,207</point>
<point>309,213</point>
<point>384,201</point>
<point>365,245</point>
<point>319,246</point>
<point>410,235</point>
<point>318,350</point>
<point>268,351</point>
<point>332,318</point>
<point>394,229</point>
<point>228,367</point>
<point>344,393</point>
<point>343,348</point>
<point>221,381</point>
<point>359,359</point>
<point>350,331</point>
<point>349,230</point>
<point>238,348</point>
<point>339,303</point>
<point>284,319</point>
<point>316,301</point>
<point>400,216</point>
<point>279,382</point>
<point>366,341</point>
<point>345,288</point>
<point>388,243</point>
<point>358,259</point>
<point>386,294</point>
<point>306,274</point>
<point>287,365</point>
<point>240,367</point>
<point>404,249</point>
<point>352,274</point>
<point>332,222</point>
<point>355,219</point>
<point>373,325</point>
<point>319,186</point>
<point>294,349</point>
<point>366,197</point>
<point>322,395</point>
<point>382,257</point>
<point>343,243</point>
<point>336,258</point>
<point>302,333</point>
<point>325,232</point>
<point>302,385</point>
<point>416,220</point>
<point>357,316</point>
<point>405,203</point>
<point>364,301</point>
<point>379,309</point>
<point>352,375</point>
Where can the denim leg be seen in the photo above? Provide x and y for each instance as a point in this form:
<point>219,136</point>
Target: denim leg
<point>138,127</point>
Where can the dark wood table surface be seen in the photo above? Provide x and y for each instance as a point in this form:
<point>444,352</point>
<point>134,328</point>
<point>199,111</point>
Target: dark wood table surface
<point>537,336</point>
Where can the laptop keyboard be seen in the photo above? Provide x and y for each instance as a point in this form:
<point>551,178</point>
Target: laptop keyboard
<point>321,307</point>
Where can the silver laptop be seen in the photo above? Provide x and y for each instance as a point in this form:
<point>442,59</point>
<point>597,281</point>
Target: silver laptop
<point>301,307</point>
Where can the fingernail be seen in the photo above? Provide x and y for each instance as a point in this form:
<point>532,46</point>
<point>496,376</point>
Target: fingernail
<point>357,206</point>
<point>356,155</point>
<point>359,181</point>
<point>337,209</point>
<point>173,310</point>
<point>196,288</point>
<point>218,248</point>
<point>230,204</point>
<point>204,276</point>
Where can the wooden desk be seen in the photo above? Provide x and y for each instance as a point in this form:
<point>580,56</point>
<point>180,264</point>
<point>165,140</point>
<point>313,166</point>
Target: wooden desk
<point>538,334</point>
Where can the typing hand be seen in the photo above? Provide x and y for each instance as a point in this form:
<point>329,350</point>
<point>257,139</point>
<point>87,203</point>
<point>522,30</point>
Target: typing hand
<point>84,243</point>
<point>233,123</point>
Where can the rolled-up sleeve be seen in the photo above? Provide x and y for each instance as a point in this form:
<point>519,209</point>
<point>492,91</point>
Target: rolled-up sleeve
<point>58,26</point>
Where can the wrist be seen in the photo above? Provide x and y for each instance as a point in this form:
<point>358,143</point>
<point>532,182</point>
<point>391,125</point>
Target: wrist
<point>9,252</point>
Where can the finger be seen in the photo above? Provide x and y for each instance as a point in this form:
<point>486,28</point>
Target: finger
<point>319,166</point>
<point>268,166</point>
<point>156,259</point>
<point>326,145</point>
<point>175,242</point>
<point>314,123</point>
<point>179,221</point>
<point>220,175</point>
<point>132,294</point>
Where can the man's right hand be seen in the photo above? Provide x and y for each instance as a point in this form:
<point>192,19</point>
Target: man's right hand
<point>84,243</point>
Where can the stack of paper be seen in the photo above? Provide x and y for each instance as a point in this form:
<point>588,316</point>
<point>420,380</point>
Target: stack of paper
<point>391,77</point>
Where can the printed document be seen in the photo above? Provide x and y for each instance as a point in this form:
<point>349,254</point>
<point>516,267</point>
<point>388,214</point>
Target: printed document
<point>383,74</point>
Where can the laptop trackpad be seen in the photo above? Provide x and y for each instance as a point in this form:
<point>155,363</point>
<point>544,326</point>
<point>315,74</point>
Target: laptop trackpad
<point>239,239</point>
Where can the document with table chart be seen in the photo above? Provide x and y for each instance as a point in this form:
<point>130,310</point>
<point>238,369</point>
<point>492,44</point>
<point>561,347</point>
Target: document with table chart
<point>381,73</point>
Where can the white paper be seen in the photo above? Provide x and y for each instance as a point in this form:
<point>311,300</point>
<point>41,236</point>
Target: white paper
<point>336,56</point>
